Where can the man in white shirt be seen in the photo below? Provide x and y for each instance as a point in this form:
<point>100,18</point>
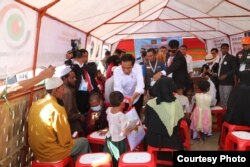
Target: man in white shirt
<point>128,79</point>
<point>188,58</point>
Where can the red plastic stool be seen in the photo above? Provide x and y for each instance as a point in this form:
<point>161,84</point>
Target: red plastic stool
<point>239,138</point>
<point>219,112</point>
<point>94,159</point>
<point>154,150</point>
<point>184,132</point>
<point>137,159</point>
<point>67,162</point>
<point>227,128</point>
<point>96,141</point>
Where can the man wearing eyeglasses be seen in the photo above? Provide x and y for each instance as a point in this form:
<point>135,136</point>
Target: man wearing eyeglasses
<point>177,65</point>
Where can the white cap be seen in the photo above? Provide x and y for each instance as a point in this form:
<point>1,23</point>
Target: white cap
<point>62,70</point>
<point>209,58</point>
<point>53,83</point>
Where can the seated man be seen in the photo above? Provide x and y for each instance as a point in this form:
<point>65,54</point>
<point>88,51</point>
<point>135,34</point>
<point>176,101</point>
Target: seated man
<point>97,117</point>
<point>48,128</point>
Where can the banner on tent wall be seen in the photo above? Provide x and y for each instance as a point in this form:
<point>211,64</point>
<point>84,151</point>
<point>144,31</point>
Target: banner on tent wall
<point>216,43</point>
<point>55,41</point>
<point>236,43</point>
<point>17,38</point>
<point>153,43</point>
<point>127,45</point>
<point>94,47</point>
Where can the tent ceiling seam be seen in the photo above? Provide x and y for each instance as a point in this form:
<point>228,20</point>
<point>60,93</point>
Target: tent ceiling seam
<point>113,17</point>
<point>197,21</point>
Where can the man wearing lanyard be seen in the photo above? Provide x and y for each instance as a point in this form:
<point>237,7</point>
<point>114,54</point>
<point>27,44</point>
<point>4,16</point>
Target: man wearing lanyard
<point>154,69</point>
<point>226,74</point>
<point>243,57</point>
<point>128,79</point>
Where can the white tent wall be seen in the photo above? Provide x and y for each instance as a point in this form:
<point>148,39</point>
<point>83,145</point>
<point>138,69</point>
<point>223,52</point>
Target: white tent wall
<point>94,47</point>
<point>216,43</point>
<point>55,41</point>
<point>17,38</point>
<point>235,43</point>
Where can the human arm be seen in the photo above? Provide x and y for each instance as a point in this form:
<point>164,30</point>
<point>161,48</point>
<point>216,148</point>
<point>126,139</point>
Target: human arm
<point>27,84</point>
<point>139,89</point>
<point>233,64</point>
<point>62,129</point>
<point>176,64</point>
<point>117,80</point>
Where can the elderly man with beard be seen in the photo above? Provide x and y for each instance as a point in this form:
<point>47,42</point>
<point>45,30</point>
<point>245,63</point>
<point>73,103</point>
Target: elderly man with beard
<point>75,118</point>
<point>49,133</point>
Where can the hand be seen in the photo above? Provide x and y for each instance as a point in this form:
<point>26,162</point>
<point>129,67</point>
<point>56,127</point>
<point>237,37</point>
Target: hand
<point>223,77</point>
<point>95,116</point>
<point>81,118</point>
<point>103,132</point>
<point>48,72</point>
<point>157,76</point>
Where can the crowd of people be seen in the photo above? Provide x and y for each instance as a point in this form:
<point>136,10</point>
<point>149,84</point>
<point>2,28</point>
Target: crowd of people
<point>81,99</point>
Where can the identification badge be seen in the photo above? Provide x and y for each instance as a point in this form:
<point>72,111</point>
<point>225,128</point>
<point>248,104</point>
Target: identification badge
<point>152,82</point>
<point>170,75</point>
<point>242,67</point>
<point>83,86</point>
<point>248,57</point>
<point>225,63</point>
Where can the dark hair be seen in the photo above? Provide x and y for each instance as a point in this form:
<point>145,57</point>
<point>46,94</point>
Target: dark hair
<point>204,86</point>
<point>69,52</point>
<point>163,47</point>
<point>184,46</point>
<point>95,95</point>
<point>128,57</point>
<point>204,66</point>
<point>108,53</point>
<point>49,91</point>
<point>116,98</point>
<point>118,51</point>
<point>114,59</point>
<point>174,44</point>
<point>215,49</point>
<point>80,53</point>
<point>144,54</point>
<point>151,50</point>
<point>224,45</point>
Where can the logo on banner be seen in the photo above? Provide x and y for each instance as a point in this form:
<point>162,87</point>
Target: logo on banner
<point>14,26</point>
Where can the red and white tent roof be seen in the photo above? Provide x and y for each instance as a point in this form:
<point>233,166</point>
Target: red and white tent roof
<point>113,20</point>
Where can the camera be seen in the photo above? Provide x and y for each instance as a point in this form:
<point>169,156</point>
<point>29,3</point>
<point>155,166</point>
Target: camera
<point>75,44</point>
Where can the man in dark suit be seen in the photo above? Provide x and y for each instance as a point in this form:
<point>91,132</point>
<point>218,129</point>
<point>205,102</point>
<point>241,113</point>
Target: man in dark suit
<point>226,74</point>
<point>177,65</point>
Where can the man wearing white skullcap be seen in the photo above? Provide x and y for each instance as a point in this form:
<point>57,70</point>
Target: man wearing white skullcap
<point>48,128</point>
<point>75,118</point>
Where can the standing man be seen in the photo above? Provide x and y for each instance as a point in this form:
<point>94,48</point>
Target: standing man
<point>104,60</point>
<point>188,58</point>
<point>177,65</point>
<point>226,74</point>
<point>154,69</point>
<point>128,79</point>
<point>75,118</point>
<point>48,128</point>
<point>83,82</point>
<point>243,57</point>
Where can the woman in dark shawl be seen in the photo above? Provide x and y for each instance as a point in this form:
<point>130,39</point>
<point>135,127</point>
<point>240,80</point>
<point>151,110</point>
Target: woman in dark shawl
<point>238,106</point>
<point>162,116</point>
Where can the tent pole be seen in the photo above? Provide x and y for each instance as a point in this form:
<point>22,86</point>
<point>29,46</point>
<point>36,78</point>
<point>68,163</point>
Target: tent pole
<point>230,46</point>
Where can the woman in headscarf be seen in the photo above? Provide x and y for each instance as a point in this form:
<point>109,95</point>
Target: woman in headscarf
<point>238,103</point>
<point>162,116</point>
